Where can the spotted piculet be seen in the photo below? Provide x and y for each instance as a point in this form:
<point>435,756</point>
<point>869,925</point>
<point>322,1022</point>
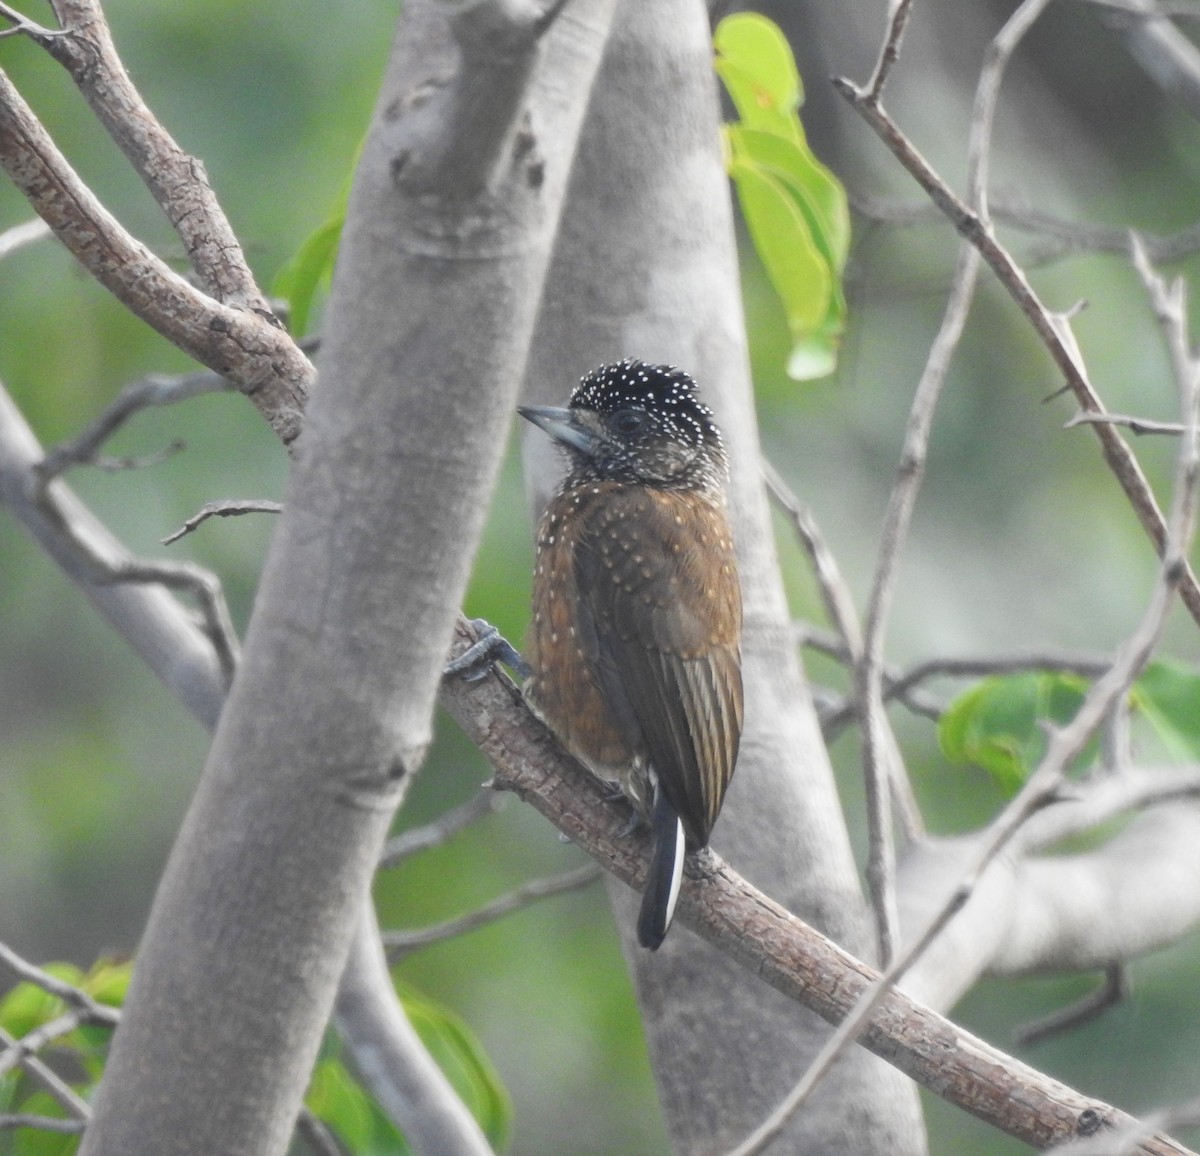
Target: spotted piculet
<point>635,639</point>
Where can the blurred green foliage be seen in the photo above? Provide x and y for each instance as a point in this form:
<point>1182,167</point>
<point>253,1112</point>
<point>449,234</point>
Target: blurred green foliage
<point>334,1095</point>
<point>1020,540</point>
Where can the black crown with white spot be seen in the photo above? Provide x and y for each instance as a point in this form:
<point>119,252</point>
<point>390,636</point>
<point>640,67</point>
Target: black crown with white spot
<point>665,392</point>
<point>654,427</point>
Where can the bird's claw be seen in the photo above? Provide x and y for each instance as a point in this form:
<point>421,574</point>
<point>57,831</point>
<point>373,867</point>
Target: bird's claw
<point>492,647</point>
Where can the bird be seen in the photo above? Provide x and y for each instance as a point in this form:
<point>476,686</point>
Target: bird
<point>634,644</point>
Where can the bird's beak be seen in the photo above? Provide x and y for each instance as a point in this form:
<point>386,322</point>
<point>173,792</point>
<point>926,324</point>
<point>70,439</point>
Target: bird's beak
<point>562,425</point>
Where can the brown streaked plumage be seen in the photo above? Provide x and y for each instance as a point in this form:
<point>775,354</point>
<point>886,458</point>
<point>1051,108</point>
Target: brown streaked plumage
<point>635,638</point>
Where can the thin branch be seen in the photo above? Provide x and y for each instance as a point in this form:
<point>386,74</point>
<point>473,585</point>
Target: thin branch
<point>23,26</point>
<point>111,465</point>
<point>401,943</point>
<point>245,346</point>
<point>35,1040</point>
<point>837,712</point>
<point>399,848</point>
<point>202,585</point>
<point>889,52</point>
<point>1061,236</point>
<point>153,390</point>
<point>227,508</point>
<point>43,1123</point>
<point>149,618</point>
<point>839,606</point>
<point>835,593</point>
<point>70,1099</point>
<point>1045,781</point>
<point>177,181</point>
<point>868,682</point>
<point>1137,425</point>
<point>1084,665</point>
<point>970,225</point>
<point>89,1009</point>
<point>1111,991</point>
<point>879,745</point>
<point>773,944</point>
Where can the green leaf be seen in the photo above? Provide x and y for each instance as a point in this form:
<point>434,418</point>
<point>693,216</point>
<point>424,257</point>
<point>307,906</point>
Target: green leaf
<point>755,62</point>
<point>816,190</point>
<point>795,208</point>
<point>26,1007</point>
<point>108,981</point>
<point>1000,723</point>
<point>1168,697</point>
<point>308,271</point>
<point>460,1055</point>
<point>336,1098</point>
<point>779,228</point>
<point>37,1142</point>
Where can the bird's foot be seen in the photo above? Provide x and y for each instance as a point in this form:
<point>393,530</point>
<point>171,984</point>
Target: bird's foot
<point>635,821</point>
<point>492,647</point>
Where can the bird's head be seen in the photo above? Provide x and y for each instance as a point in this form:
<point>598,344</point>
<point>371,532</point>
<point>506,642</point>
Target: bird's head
<point>638,423</point>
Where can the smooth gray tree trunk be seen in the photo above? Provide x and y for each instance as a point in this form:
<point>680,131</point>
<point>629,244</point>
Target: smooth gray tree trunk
<point>646,266</point>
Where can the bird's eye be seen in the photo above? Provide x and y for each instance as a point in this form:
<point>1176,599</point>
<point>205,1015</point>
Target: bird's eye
<point>627,421</point>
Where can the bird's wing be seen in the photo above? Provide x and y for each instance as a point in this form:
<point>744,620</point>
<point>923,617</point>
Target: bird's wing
<point>661,610</point>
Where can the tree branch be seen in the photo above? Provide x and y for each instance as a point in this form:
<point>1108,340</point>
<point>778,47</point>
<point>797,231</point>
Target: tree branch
<point>1050,329</point>
<point>398,944</point>
<point>177,181</point>
<point>725,910</point>
<point>249,349</point>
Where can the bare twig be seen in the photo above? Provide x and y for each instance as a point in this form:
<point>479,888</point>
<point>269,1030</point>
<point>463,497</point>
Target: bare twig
<point>230,507</point>
<point>1137,425</point>
<point>401,943</point>
<point>43,1123</point>
<point>839,606</point>
<point>889,51</point>
<point>1061,236</point>
<point>835,593</point>
<point>1103,797</point>
<point>23,26</point>
<point>245,346</point>
<point>836,714</point>
<point>153,390</point>
<point>90,1009</point>
<point>176,180</point>
<point>1112,991</point>
<point>970,225</point>
<point>111,465</point>
<point>485,801</point>
<point>33,1041</point>
<point>202,585</point>
<point>1084,665</point>
<point>878,744</point>
<point>70,1099</point>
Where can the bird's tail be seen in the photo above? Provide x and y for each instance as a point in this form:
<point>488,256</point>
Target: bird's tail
<point>665,874</point>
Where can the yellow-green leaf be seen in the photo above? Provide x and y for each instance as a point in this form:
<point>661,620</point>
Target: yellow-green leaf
<point>762,73</point>
<point>781,234</point>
